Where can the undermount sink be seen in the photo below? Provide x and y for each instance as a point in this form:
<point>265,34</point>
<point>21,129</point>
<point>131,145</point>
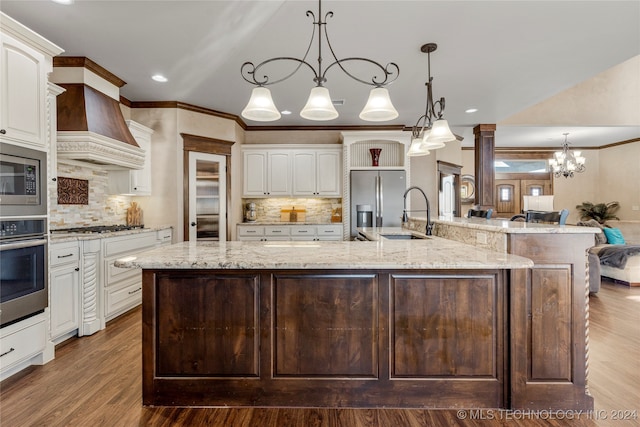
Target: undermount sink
<point>403,237</point>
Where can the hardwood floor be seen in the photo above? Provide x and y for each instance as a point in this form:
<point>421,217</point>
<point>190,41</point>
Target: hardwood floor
<point>96,381</point>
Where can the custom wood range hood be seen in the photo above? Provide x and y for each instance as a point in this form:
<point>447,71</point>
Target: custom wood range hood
<point>91,127</point>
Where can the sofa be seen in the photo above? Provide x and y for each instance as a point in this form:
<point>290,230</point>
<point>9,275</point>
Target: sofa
<point>607,254</point>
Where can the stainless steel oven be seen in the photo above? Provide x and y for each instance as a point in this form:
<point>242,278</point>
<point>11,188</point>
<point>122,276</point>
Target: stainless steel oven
<point>23,175</point>
<point>23,269</point>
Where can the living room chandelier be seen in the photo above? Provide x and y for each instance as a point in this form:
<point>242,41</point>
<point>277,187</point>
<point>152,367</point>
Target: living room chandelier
<point>319,105</point>
<point>566,162</point>
<point>429,134</point>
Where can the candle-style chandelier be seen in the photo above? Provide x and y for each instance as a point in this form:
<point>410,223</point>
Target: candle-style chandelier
<point>319,105</point>
<point>566,162</point>
<point>429,134</point>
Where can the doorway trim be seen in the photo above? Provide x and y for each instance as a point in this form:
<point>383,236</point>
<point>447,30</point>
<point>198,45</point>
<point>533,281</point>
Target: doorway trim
<point>203,144</point>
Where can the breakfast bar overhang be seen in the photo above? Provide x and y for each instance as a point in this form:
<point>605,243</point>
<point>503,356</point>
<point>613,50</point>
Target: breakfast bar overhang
<point>392,323</point>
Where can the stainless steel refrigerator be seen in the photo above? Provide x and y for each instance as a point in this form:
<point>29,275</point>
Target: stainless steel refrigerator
<point>384,191</point>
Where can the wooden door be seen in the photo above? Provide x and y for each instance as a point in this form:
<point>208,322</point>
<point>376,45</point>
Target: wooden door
<point>535,187</point>
<point>508,198</point>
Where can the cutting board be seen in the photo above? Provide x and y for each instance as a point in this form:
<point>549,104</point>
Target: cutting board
<point>300,214</point>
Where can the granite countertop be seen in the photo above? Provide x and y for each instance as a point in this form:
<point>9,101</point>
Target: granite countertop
<point>67,237</point>
<point>510,227</point>
<point>432,253</point>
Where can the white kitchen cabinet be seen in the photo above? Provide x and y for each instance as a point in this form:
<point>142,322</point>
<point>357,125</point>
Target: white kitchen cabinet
<point>64,290</point>
<point>122,287</point>
<point>22,344</point>
<point>250,232</point>
<point>25,61</point>
<point>317,173</point>
<point>290,232</point>
<point>134,182</point>
<point>164,237</point>
<point>267,173</point>
<point>329,232</point>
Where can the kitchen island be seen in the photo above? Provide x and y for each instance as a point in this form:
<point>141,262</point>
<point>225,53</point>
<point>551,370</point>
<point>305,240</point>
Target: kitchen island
<point>392,323</point>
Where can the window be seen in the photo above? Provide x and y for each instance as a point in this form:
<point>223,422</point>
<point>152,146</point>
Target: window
<point>505,194</point>
<point>521,166</point>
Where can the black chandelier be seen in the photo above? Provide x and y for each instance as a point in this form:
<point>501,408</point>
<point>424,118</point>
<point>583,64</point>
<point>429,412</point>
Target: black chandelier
<point>566,162</point>
<point>431,131</point>
<point>319,105</point>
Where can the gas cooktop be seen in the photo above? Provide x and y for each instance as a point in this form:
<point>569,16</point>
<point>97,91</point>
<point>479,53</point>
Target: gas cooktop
<point>97,229</point>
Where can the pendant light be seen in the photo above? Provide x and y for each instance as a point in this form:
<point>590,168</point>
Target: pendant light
<point>319,105</point>
<point>430,129</point>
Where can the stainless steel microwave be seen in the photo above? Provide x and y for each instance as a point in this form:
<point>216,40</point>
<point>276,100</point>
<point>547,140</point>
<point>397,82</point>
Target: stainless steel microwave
<point>23,177</point>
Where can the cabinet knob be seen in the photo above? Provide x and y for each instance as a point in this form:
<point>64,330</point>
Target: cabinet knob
<point>2,131</point>
<point>77,268</point>
<point>54,179</point>
<point>193,224</point>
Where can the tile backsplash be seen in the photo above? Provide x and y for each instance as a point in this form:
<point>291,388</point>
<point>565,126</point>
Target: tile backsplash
<point>102,209</point>
<point>317,210</point>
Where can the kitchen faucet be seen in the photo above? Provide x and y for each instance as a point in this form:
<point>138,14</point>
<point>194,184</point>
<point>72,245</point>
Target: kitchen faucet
<point>405,217</point>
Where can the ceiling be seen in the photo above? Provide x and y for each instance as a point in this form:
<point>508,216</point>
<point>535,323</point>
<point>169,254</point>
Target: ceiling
<point>500,57</point>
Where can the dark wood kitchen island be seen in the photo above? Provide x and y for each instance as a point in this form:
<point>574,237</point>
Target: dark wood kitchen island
<point>402,323</point>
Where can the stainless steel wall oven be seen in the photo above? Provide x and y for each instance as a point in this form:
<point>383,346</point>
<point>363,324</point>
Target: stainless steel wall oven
<point>23,269</point>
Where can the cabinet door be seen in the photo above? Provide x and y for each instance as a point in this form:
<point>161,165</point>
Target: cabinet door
<point>329,174</point>
<point>255,174</point>
<point>22,94</point>
<point>279,173</point>
<point>141,178</point>
<point>64,291</point>
<point>304,173</point>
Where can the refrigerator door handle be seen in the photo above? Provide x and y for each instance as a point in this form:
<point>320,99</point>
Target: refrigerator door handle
<point>380,201</point>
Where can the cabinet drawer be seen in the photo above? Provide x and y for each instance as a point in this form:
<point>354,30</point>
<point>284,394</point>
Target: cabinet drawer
<point>276,231</point>
<point>303,230</point>
<point>130,243</point>
<point>23,343</point>
<point>164,236</point>
<point>115,274</point>
<point>330,231</point>
<point>251,231</point>
<point>120,299</point>
<point>64,253</point>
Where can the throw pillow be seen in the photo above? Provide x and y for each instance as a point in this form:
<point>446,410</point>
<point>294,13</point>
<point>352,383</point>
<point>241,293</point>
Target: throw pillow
<point>614,236</point>
<point>600,237</point>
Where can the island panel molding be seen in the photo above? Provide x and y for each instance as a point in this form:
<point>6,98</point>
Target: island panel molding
<point>325,338</point>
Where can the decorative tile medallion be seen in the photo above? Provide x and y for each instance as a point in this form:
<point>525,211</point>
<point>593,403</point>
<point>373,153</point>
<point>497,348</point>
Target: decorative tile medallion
<point>73,191</point>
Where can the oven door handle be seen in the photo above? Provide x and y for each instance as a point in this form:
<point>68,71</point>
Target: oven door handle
<point>22,244</point>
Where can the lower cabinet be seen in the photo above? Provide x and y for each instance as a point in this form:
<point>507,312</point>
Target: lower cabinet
<point>64,289</point>
<point>123,286</point>
<point>289,232</point>
<point>22,344</point>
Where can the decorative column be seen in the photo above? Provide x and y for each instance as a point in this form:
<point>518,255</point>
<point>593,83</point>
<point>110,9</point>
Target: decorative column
<point>92,319</point>
<point>484,165</point>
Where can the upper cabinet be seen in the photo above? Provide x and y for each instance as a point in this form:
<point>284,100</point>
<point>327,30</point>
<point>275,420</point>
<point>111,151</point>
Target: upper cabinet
<point>317,173</point>
<point>267,173</point>
<point>25,61</point>
<point>272,171</point>
<point>135,182</point>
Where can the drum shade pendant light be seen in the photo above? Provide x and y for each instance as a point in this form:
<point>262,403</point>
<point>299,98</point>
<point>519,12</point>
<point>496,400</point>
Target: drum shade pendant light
<point>319,105</point>
<point>431,131</point>
<point>566,162</point>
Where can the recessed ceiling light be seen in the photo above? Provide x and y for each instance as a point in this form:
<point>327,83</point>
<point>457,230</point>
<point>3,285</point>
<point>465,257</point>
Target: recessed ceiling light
<point>285,112</point>
<point>63,1</point>
<point>470,110</point>
<point>159,78</point>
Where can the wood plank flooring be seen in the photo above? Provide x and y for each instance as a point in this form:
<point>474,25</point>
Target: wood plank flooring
<point>96,381</point>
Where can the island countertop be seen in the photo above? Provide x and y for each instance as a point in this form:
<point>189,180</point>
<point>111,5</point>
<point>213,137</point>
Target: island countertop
<point>432,253</point>
<point>514,227</point>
